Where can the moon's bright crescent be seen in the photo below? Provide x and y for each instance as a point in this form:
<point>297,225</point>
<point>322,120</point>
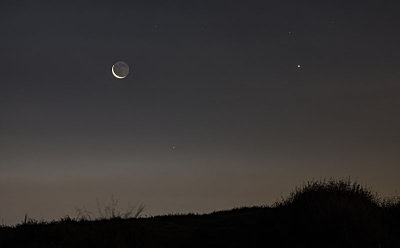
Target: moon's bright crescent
<point>115,75</point>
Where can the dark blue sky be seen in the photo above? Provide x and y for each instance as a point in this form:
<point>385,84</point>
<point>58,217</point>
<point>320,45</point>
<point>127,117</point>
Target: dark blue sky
<point>215,113</point>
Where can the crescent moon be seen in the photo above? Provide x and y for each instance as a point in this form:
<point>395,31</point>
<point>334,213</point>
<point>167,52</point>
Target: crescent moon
<point>115,75</point>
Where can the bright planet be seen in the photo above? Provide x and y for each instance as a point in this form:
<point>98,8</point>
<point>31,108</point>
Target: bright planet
<point>120,70</point>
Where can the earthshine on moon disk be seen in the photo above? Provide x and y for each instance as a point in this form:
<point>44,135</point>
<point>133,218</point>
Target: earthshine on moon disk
<point>120,70</point>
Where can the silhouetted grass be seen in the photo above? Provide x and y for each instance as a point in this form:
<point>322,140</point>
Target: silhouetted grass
<point>110,211</point>
<point>325,213</point>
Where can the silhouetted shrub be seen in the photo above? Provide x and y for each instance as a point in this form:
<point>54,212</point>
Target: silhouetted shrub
<point>339,193</point>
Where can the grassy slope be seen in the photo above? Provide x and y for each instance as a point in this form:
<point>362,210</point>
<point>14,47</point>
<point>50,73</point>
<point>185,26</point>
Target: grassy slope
<point>320,214</point>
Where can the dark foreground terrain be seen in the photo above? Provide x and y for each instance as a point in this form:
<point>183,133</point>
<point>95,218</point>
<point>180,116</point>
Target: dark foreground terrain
<point>320,214</point>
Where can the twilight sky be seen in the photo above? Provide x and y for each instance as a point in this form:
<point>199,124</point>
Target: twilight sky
<point>215,112</point>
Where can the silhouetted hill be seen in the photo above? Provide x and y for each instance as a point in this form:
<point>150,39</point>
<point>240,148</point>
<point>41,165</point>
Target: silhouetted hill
<point>320,214</point>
